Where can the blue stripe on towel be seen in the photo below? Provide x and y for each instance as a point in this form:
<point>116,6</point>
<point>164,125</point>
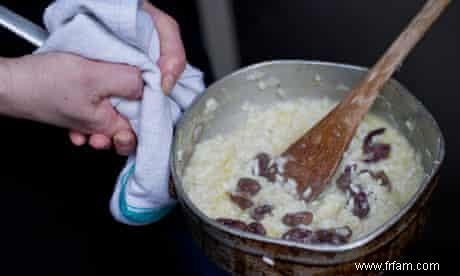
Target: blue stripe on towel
<point>135,214</point>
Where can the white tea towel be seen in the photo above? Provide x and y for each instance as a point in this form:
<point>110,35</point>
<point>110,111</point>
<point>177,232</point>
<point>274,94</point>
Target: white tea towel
<point>120,31</point>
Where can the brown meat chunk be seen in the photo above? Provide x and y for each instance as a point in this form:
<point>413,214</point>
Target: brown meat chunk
<point>344,180</point>
<point>361,205</point>
<point>265,169</point>
<point>233,223</point>
<point>298,235</point>
<point>248,186</point>
<point>380,175</point>
<point>294,219</point>
<point>259,212</point>
<point>334,236</point>
<point>242,202</point>
<point>263,160</point>
<point>256,228</point>
<point>375,151</point>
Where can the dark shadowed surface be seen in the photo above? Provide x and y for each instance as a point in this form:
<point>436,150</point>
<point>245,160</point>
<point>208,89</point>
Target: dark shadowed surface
<point>55,197</point>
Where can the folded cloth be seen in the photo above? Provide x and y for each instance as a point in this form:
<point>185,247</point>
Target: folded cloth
<point>121,32</point>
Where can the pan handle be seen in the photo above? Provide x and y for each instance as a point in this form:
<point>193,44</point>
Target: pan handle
<point>22,27</point>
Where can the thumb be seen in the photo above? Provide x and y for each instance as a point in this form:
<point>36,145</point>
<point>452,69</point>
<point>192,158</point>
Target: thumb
<point>108,121</point>
<point>172,53</point>
<point>119,80</point>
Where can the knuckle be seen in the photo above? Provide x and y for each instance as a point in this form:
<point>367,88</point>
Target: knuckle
<point>102,121</point>
<point>182,62</point>
<point>173,24</point>
<point>180,58</point>
<point>94,98</point>
<point>85,78</point>
<point>136,83</point>
<point>177,64</point>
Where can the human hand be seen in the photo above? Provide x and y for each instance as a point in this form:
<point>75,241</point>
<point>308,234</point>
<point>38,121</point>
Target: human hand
<point>71,92</point>
<point>172,53</point>
<point>172,63</point>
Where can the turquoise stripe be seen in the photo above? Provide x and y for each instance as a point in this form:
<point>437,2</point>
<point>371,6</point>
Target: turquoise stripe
<point>135,214</point>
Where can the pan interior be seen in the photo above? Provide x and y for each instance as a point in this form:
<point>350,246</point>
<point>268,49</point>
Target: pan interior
<point>299,79</point>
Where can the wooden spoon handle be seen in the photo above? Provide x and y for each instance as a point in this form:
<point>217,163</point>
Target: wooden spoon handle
<point>369,88</point>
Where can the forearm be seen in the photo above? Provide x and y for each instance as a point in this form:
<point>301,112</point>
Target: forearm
<point>5,84</point>
<point>13,88</point>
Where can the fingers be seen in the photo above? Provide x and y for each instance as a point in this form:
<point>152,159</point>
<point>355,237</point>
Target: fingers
<point>97,141</point>
<point>108,123</point>
<point>100,142</point>
<point>77,138</point>
<point>106,120</point>
<point>125,142</point>
<point>171,69</point>
<point>105,123</point>
<point>118,80</point>
<point>172,53</point>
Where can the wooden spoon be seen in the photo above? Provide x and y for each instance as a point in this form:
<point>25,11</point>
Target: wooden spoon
<point>314,158</point>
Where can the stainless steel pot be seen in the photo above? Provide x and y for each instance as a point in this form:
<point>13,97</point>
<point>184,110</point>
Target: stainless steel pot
<point>248,254</point>
<point>243,253</point>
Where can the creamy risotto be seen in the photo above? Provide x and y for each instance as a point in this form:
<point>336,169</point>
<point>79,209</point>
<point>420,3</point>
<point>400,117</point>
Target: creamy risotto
<point>235,178</point>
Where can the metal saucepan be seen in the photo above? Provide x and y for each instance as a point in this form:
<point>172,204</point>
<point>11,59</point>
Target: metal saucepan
<point>243,253</point>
